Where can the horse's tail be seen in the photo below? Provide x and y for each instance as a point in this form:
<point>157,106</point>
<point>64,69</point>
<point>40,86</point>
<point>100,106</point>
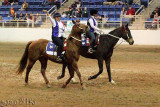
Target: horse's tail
<point>23,61</point>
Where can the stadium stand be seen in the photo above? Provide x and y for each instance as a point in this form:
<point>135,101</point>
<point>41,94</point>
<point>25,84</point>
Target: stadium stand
<point>34,7</point>
<point>154,19</point>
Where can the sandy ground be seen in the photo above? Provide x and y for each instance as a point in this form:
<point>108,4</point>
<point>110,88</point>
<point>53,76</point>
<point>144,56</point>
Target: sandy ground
<point>135,69</point>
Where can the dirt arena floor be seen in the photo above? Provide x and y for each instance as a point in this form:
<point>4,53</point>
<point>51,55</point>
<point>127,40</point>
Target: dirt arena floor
<point>135,69</point>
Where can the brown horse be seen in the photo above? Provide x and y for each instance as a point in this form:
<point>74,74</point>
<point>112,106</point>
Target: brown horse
<point>36,50</point>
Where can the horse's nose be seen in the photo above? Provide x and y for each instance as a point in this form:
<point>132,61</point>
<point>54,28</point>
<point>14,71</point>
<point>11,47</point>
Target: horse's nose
<point>87,28</point>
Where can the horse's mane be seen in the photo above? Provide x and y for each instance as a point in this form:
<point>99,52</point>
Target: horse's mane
<point>113,31</point>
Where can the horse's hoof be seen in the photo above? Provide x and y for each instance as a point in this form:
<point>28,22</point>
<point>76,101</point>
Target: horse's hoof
<point>63,86</point>
<point>48,86</point>
<point>90,78</point>
<point>113,82</point>
<point>73,81</point>
<point>26,84</point>
<point>59,77</point>
<point>84,88</point>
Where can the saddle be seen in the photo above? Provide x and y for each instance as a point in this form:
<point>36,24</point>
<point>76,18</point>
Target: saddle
<point>86,41</point>
<point>51,48</point>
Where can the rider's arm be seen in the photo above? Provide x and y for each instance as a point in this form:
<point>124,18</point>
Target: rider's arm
<point>52,20</point>
<point>92,25</point>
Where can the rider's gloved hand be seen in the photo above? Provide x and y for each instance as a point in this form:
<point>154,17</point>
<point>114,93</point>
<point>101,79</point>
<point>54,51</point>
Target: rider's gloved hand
<point>100,31</point>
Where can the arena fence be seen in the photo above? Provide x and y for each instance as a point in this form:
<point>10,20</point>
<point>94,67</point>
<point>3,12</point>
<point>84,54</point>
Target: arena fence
<point>135,22</point>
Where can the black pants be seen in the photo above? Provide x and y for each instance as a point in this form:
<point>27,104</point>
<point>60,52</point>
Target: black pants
<point>92,37</point>
<point>59,42</point>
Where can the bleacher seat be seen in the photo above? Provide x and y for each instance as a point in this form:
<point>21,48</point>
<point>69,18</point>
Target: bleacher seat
<point>34,7</point>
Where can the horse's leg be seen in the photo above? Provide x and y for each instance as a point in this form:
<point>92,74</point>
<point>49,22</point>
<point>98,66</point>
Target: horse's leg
<point>75,66</point>
<point>63,71</point>
<point>100,64</point>
<point>43,69</point>
<point>29,67</point>
<point>107,61</point>
<point>71,72</point>
<point>80,79</point>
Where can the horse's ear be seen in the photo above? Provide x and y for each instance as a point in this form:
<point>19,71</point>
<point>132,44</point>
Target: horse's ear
<point>127,25</point>
<point>73,22</point>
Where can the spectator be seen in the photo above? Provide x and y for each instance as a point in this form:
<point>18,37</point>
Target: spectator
<point>64,15</point>
<point>130,11</point>
<point>26,16</point>
<point>38,19</point>
<point>74,13</point>
<point>85,12</point>
<point>6,2</point>
<point>79,5</point>
<point>123,11</point>
<point>154,12</point>
<point>70,12</point>
<point>79,12</point>
<point>113,2</point>
<point>156,19</point>
<point>58,4</point>
<point>15,17</point>
<point>104,19</point>
<point>73,6</point>
<point>11,13</point>
<point>29,19</point>
<point>24,6</point>
<point>21,16</point>
<point>158,11</point>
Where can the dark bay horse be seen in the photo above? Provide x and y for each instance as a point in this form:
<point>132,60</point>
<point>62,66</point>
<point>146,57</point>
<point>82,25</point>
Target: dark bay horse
<point>35,50</point>
<point>105,50</point>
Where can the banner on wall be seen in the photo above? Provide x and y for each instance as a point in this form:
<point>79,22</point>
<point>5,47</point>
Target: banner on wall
<point>70,25</point>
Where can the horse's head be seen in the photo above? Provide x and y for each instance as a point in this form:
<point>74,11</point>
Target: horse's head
<point>79,27</point>
<point>126,34</point>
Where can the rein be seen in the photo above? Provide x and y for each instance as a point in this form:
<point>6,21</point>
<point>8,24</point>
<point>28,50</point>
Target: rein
<point>116,38</point>
<point>113,36</point>
<point>76,38</point>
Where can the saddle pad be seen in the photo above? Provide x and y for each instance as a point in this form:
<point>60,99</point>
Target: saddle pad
<point>50,48</point>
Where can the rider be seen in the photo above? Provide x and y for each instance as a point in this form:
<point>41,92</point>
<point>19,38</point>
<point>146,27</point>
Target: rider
<point>94,30</point>
<point>58,29</point>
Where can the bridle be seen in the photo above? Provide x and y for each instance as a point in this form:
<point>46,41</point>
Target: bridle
<point>109,35</point>
<point>75,37</point>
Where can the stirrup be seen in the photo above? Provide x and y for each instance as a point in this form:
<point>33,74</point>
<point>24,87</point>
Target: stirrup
<point>95,46</point>
<point>90,50</point>
<point>58,59</point>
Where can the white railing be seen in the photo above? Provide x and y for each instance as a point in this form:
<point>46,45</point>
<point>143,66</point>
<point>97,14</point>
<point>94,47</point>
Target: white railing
<point>139,10</point>
<point>23,23</point>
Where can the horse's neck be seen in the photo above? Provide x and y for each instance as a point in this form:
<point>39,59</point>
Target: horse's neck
<point>113,41</point>
<point>77,36</point>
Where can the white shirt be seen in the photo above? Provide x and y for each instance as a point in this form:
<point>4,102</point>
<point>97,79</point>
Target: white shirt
<point>61,26</point>
<point>96,29</point>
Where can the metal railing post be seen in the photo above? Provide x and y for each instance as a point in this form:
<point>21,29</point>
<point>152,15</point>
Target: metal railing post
<point>32,23</point>
<point>121,20</point>
<point>3,24</point>
<point>17,24</point>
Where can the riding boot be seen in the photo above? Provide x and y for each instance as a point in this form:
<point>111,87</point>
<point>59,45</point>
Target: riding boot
<point>96,40</point>
<point>59,57</point>
<point>90,49</point>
